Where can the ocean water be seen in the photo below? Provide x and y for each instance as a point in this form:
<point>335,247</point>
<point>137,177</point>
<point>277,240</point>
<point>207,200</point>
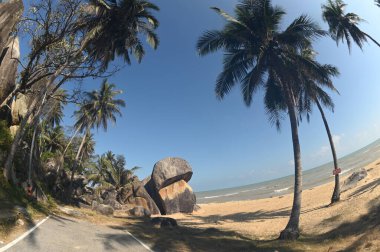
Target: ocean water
<point>311,178</point>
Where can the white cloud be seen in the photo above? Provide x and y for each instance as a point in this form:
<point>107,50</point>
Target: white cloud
<point>325,151</point>
<point>291,162</point>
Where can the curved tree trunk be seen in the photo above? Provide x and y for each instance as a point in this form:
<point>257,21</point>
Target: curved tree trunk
<point>31,154</point>
<point>76,163</point>
<point>33,107</point>
<point>291,231</point>
<point>336,194</point>
<point>373,40</point>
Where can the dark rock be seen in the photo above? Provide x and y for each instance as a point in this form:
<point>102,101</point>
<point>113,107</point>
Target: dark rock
<point>353,179</point>
<point>140,211</point>
<point>177,197</point>
<point>160,222</point>
<point>135,194</point>
<point>103,209</point>
<point>169,171</point>
<point>109,198</point>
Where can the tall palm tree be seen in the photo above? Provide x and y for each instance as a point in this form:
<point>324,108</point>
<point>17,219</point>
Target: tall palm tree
<point>99,107</point>
<point>258,54</point>
<point>313,93</point>
<point>344,26</point>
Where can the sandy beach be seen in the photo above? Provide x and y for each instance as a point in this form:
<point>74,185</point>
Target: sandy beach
<point>263,219</point>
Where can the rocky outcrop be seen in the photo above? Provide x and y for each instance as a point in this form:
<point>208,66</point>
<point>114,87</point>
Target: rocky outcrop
<point>169,171</point>
<point>102,209</point>
<point>19,108</point>
<point>8,68</point>
<point>177,197</point>
<point>135,195</point>
<point>168,186</point>
<point>10,13</point>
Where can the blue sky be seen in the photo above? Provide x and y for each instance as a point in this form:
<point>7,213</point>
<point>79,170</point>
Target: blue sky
<point>172,110</point>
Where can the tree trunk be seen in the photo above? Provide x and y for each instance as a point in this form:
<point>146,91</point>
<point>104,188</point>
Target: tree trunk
<point>76,163</point>
<point>31,155</point>
<point>336,194</point>
<point>8,167</point>
<point>291,231</point>
<point>62,159</point>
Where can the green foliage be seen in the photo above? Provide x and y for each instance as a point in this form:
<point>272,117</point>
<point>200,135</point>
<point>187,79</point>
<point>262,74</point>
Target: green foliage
<point>47,155</point>
<point>5,136</point>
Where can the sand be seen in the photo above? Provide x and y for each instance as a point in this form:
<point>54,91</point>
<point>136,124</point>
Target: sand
<point>264,219</point>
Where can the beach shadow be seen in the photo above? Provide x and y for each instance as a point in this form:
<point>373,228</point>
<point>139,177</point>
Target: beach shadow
<point>365,188</point>
<point>185,238</point>
<point>364,228</point>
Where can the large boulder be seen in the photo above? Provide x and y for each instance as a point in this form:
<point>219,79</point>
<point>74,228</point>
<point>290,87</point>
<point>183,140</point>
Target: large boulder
<point>353,179</point>
<point>135,194</point>
<point>169,171</point>
<point>8,68</point>
<point>10,13</point>
<point>177,197</point>
<point>19,108</point>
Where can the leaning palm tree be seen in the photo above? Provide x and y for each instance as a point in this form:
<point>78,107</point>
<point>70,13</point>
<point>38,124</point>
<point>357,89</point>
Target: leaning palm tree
<point>344,26</point>
<point>313,93</point>
<point>258,54</point>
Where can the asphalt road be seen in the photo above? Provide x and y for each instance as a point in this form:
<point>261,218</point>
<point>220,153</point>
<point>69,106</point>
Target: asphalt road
<point>61,234</point>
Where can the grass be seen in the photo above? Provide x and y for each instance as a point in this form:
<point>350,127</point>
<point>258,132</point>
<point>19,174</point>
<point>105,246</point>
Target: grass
<point>15,202</point>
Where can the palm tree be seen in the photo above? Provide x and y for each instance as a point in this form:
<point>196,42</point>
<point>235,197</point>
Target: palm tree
<point>257,54</point>
<point>113,28</point>
<point>110,170</point>
<point>313,93</point>
<point>124,21</point>
<point>342,26</point>
<point>98,108</point>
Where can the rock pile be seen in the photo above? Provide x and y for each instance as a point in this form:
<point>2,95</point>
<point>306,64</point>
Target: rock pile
<point>164,192</point>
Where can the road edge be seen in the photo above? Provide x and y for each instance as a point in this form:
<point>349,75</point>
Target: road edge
<point>20,238</point>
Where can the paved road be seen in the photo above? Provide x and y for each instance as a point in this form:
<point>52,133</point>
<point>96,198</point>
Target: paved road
<point>60,234</point>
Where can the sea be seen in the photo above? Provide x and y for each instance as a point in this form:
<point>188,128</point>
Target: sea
<point>311,178</point>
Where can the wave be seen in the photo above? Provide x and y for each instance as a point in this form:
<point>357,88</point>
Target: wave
<point>281,190</point>
<point>218,196</point>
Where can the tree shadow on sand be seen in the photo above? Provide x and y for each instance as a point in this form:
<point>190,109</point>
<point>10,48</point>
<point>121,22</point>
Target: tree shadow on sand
<point>367,227</point>
<point>184,238</point>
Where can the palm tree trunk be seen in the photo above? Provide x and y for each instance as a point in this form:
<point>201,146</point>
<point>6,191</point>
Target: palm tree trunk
<point>76,162</point>
<point>291,231</point>
<point>31,155</point>
<point>373,40</point>
<point>71,140</point>
<point>336,194</point>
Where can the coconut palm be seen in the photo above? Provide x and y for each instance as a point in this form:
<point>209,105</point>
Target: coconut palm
<point>124,21</point>
<point>344,26</point>
<point>110,170</point>
<point>313,93</point>
<point>109,30</point>
<point>258,54</point>
<point>99,107</point>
